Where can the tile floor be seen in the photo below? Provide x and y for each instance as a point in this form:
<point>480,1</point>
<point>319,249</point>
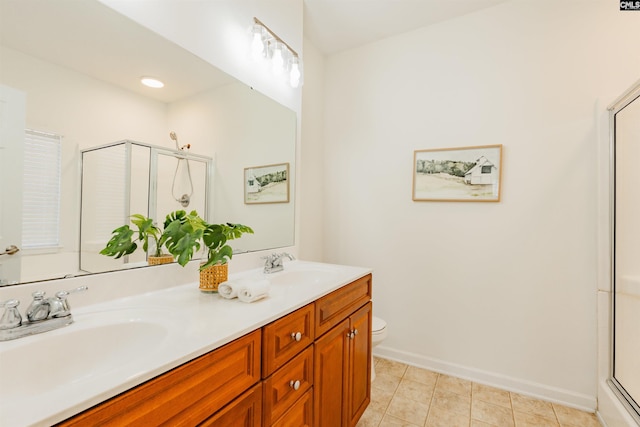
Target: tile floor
<point>407,396</point>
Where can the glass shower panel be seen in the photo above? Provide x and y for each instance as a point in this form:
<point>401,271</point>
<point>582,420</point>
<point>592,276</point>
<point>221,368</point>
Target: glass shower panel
<point>626,369</point>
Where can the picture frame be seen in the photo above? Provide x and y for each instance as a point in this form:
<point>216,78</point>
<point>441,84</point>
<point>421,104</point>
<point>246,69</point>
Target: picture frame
<point>461,174</point>
<point>266,184</point>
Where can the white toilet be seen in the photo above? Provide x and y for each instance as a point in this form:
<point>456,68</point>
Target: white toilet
<point>378,334</point>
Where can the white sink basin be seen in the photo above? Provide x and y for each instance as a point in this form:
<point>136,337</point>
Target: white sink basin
<point>93,346</point>
<point>304,273</point>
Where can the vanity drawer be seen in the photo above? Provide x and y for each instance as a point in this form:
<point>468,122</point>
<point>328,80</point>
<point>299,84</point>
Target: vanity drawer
<point>286,337</point>
<point>279,389</point>
<point>186,395</point>
<point>339,304</point>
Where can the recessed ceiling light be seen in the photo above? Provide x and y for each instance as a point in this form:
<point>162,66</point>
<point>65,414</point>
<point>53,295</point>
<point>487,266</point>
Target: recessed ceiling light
<point>151,82</point>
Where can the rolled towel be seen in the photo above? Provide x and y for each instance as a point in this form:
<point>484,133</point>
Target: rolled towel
<point>254,290</point>
<point>230,288</point>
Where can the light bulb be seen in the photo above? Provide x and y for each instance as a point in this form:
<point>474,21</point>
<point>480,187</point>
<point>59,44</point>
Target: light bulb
<point>257,45</point>
<point>277,60</point>
<point>294,78</point>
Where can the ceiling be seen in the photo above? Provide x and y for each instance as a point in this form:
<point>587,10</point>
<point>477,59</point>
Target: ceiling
<point>95,40</point>
<point>336,25</point>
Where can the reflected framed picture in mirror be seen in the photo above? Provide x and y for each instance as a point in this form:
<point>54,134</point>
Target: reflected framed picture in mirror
<point>465,174</point>
<point>266,184</point>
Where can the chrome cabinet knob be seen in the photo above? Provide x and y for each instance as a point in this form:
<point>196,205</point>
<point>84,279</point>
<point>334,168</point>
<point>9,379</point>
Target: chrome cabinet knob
<point>294,384</point>
<point>296,336</point>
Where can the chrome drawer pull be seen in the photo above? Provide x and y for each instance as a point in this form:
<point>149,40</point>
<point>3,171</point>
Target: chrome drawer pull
<point>296,336</point>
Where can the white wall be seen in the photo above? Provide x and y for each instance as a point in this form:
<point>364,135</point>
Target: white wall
<point>311,165</point>
<point>533,76</point>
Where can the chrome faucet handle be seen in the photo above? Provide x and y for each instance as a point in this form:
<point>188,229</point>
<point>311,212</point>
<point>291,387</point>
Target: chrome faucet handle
<point>59,306</point>
<point>11,317</point>
<point>39,307</point>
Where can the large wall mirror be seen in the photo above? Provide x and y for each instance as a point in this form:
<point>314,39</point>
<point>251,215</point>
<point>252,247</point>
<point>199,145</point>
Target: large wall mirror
<point>625,121</point>
<point>70,72</point>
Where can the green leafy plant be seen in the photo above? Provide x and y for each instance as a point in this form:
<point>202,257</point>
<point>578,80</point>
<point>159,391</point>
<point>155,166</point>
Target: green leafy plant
<point>123,239</point>
<point>187,233</point>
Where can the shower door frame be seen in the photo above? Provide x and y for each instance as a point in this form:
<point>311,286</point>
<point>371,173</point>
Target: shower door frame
<point>628,401</point>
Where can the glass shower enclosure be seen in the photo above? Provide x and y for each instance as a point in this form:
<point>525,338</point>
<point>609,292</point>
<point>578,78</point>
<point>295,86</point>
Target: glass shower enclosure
<point>129,177</point>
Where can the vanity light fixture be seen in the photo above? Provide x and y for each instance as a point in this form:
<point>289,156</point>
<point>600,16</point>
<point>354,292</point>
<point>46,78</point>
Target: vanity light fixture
<point>265,44</point>
<point>151,82</point>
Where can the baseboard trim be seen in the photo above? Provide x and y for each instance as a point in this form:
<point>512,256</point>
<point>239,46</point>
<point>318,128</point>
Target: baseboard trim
<point>516,385</point>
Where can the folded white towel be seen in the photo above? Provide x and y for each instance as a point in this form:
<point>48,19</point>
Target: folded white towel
<point>230,288</point>
<point>254,290</point>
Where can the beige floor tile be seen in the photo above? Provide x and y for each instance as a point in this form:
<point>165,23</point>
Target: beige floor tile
<point>386,382</point>
<point>570,417</point>
<point>391,421</point>
<point>391,367</point>
<point>421,375</point>
<point>440,417</point>
<point>370,418</point>
<point>529,405</point>
<point>453,384</point>
<point>490,395</point>
<point>476,423</point>
<point>415,391</point>
<point>451,402</point>
<point>532,420</point>
<point>489,413</point>
<point>408,410</point>
<point>380,399</point>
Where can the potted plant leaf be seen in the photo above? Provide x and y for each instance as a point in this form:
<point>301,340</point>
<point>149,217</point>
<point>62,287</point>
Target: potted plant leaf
<point>187,233</point>
<point>123,241</point>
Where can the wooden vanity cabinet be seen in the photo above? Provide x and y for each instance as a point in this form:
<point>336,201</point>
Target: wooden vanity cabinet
<point>342,360</point>
<point>314,364</point>
<point>186,395</point>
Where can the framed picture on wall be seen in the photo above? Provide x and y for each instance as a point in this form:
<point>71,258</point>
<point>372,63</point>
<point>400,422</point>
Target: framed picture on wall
<point>266,184</point>
<point>465,174</point>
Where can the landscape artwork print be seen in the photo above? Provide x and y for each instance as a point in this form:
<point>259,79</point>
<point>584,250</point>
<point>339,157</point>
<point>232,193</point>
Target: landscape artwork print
<point>266,184</point>
<point>466,174</point>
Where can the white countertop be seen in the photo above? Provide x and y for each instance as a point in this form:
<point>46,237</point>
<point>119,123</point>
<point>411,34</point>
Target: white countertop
<point>185,323</point>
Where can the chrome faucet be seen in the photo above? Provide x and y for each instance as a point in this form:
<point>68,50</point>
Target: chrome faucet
<point>43,314</point>
<point>273,262</point>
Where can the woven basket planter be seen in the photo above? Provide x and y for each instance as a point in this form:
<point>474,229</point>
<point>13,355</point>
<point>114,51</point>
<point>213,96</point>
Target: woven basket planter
<point>212,276</point>
<point>162,259</point>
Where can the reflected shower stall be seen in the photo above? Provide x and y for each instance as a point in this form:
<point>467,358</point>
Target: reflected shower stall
<point>129,177</point>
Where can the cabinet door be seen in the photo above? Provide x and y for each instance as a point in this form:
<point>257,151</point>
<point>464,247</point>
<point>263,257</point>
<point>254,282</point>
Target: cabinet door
<point>245,411</point>
<point>359,376</point>
<point>330,371</point>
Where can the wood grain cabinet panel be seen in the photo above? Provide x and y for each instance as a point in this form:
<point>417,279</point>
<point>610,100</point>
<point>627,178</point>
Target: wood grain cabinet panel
<point>245,411</point>
<point>287,385</point>
<point>300,414</point>
<point>186,395</point>
<point>286,337</point>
